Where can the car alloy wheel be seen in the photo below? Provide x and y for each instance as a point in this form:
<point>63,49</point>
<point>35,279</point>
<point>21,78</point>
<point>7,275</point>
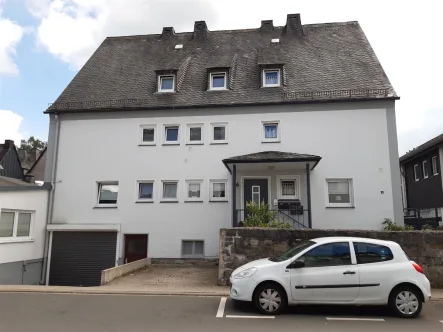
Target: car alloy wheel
<point>270,300</point>
<point>407,303</point>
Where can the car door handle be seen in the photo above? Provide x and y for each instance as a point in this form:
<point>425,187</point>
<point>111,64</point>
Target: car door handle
<point>349,272</point>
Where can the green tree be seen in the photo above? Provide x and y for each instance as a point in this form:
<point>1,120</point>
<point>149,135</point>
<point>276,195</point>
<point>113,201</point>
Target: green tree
<point>31,143</point>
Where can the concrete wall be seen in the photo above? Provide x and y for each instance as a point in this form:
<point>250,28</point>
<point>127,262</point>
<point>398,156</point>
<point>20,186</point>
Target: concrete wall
<point>239,246</point>
<point>118,271</point>
<point>352,139</point>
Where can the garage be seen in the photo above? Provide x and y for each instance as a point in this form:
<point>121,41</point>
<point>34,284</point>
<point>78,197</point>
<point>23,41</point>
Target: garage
<point>78,257</point>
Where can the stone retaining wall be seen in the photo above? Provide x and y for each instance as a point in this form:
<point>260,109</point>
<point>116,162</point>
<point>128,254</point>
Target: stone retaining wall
<point>242,245</point>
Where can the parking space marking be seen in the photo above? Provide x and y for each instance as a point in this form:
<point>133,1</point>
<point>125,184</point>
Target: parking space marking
<point>259,317</point>
<point>221,307</point>
<point>357,319</point>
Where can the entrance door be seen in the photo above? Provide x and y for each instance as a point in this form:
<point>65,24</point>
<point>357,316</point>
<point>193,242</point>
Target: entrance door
<point>136,247</point>
<point>255,190</point>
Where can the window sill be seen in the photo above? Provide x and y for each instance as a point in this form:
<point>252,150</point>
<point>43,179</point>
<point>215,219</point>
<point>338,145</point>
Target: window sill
<point>146,201</point>
<point>195,143</point>
<point>147,144</point>
<point>340,206</point>
<point>271,86</point>
<point>172,143</point>
<point>217,89</point>
<point>271,141</point>
<point>218,143</point>
<point>163,92</point>
<point>219,201</point>
<point>16,240</point>
<point>194,201</point>
<point>108,206</point>
<point>170,201</point>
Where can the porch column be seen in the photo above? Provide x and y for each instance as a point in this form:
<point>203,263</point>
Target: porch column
<point>234,195</point>
<point>308,188</point>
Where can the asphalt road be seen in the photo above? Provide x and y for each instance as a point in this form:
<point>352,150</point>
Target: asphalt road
<point>64,313</point>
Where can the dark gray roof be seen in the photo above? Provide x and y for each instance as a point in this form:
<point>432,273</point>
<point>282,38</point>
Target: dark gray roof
<point>421,148</point>
<point>319,62</point>
<point>271,156</point>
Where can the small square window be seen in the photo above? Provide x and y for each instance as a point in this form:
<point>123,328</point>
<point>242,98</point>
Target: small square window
<point>147,134</point>
<point>107,194</point>
<point>170,191</point>
<point>271,132</point>
<point>195,134</point>
<point>166,83</point>
<point>434,166</point>
<point>7,224</point>
<point>171,135</point>
<point>217,81</point>
<point>287,187</point>
<point>271,77</point>
<point>145,191</point>
<point>218,190</point>
<point>416,176</point>
<point>339,193</point>
<point>192,249</point>
<point>425,169</point>
<point>23,224</point>
<point>219,133</point>
<point>194,190</point>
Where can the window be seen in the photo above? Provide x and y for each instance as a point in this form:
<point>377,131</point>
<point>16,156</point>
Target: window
<point>256,194</point>
<point>170,191</point>
<point>166,83</point>
<point>434,166</point>
<point>339,193</point>
<point>192,249</point>
<point>425,169</point>
<point>107,194</point>
<point>287,186</point>
<point>270,131</point>
<point>147,134</point>
<point>331,254</point>
<point>15,224</point>
<point>194,190</point>
<point>217,81</point>
<point>372,253</point>
<point>416,177</point>
<point>271,77</point>
<point>195,134</point>
<point>145,191</point>
<point>219,133</point>
<point>171,135</point>
<point>218,190</point>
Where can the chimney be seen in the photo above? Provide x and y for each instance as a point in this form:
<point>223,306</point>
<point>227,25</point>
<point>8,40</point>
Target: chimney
<point>267,26</point>
<point>293,25</point>
<point>34,154</point>
<point>29,178</point>
<point>167,33</point>
<point>200,30</point>
<point>9,144</point>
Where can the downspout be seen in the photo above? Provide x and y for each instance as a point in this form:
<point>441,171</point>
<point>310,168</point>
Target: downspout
<point>50,204</point>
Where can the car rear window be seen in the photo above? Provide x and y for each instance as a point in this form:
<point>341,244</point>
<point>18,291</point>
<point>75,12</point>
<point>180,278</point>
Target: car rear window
<point>367,253</point>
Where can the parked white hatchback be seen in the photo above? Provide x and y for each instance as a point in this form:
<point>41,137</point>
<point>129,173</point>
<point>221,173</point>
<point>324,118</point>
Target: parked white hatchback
<point>334,270</point>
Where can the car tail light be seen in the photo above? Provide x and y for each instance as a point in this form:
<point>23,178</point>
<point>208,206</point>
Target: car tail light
<point>417,268</point>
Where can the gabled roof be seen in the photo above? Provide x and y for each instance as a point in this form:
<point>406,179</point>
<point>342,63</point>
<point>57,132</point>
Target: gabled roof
<point>37,160</point>
<point>320,62</point>
<point>436,141</point>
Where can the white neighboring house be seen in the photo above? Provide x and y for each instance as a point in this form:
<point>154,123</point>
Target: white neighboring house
<point>160,140</point>
<point>23,209</point>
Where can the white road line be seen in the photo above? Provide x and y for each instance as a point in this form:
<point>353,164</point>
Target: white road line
<point>221,307</point>
<point>355,319</point>
<point>441,321</point>
<point>259,317</point>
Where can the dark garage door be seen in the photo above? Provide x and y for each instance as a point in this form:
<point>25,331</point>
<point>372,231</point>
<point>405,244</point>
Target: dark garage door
<point>78,258</point>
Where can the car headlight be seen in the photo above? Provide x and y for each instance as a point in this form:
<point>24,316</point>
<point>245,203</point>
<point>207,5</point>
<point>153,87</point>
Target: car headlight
<point>246,273</point>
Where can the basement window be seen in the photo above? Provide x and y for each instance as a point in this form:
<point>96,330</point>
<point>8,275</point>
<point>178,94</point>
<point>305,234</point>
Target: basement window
<point>193,249</point>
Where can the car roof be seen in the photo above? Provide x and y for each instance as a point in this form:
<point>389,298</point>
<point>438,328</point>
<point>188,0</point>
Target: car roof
<point>350,238</point>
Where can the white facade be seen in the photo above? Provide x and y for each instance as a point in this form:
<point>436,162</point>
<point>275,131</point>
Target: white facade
<point>353,140</point>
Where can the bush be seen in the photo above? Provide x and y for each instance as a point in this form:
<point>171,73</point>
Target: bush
<point>388,225</point>
<point>262,216</point>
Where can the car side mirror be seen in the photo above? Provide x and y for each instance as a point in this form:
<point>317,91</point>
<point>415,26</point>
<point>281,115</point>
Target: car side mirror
<point>296,265</point>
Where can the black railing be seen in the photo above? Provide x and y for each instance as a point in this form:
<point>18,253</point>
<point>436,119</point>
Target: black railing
<point>297,217</point>
<point>421,217</point>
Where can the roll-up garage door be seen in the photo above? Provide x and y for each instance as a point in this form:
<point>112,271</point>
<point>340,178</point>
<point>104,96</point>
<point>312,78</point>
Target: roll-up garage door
<point>78,258</point>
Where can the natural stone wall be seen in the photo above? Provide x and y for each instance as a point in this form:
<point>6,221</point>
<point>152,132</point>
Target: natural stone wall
<point>242,245</point>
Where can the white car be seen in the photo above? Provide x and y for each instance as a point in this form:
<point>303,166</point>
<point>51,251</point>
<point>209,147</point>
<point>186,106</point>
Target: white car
<point>334,270</point>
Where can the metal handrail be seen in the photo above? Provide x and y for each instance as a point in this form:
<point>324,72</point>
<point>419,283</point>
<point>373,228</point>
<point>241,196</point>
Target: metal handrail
<point>285,214</point>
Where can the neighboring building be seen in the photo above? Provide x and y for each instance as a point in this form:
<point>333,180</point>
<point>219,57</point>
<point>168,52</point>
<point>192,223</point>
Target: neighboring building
<point>36,172</point>
<point>28,159</point>
<point>23,209</point>
<point>160,140</point>
<point>10,165</point>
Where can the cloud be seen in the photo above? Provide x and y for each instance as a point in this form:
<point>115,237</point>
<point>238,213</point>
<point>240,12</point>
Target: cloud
<point>10,126</point>
<point>11,34</point>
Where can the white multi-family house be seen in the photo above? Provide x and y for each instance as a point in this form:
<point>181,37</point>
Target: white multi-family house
<point>160,140</point>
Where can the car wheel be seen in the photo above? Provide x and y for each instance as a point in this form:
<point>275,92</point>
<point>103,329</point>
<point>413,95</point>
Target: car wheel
<point>406,302</point>
<point>270,299</point>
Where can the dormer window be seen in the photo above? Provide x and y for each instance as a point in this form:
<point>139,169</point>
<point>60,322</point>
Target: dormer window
<point>271,77</point>
<point>166,83</point>
<point>217,81</point>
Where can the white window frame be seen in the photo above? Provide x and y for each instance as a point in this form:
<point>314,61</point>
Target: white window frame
<point>211,191</point>
<point>351,203</point>
<point>188,133</point>
<point>263,132</point>
<point>166,199</point>
<point>159,83</point>
<point>434,165</point>
<point>154,142</point>
<point>97,196</point>
<point>264,77</point>
<point>14,237</point>
<point>425,169</point>
<point>193,249</point>
<point>211,75</point>
<point>137,192</point>
<point>416,176</point>
<point>165,142</point>
<point>194,199</point>
<point>220,124</point>
<point>295,178</point>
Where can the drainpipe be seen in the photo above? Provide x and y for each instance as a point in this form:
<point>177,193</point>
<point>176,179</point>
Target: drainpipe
<point>50,204</point>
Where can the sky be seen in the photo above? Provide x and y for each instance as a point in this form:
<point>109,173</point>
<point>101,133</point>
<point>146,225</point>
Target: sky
<point>43,44</point>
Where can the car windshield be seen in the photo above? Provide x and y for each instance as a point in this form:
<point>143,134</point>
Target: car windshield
<point>293,251</point>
